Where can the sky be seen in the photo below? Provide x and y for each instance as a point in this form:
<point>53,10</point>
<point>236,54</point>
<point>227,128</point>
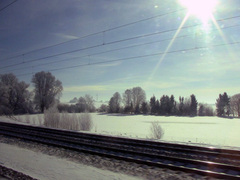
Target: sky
<point>102,47</point>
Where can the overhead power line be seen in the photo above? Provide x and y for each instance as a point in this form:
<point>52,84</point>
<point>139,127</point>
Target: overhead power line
<point>93,34</point>
<point>138,57</point>
<point>112,50</point>
<point>93,54</point>
<point>5,7</point>
<point>113,42</point>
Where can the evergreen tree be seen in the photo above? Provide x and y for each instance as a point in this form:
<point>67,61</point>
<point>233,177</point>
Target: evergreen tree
<point>153,105</point>
<point>201,110</point>
<point>144,107</point>
<point>158,107</point>
<point>181,106</point>
<point>172,105</point>
<point>193,106</point>
<point>226,101</point>
<point>223,105</point>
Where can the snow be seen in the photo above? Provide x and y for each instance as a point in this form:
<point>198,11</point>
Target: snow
<point>42,166</point>
<point>215,131</point>
<point>204,131</point>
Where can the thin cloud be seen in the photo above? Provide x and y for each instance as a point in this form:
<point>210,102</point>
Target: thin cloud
<point>109,64</point>
<point>161,85</point>
<point>85,88</point>
<point>65,36</point>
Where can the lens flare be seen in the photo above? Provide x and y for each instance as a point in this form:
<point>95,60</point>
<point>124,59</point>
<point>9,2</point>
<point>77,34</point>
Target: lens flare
<point>202,9</point>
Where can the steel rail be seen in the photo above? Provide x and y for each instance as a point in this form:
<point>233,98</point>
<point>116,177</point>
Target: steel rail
<point>208,151</point>
<point>187,165</point>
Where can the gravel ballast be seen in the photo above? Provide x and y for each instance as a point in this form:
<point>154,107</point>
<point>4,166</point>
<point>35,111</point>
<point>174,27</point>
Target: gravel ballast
<point>129,168</point>
<point>9,173</point>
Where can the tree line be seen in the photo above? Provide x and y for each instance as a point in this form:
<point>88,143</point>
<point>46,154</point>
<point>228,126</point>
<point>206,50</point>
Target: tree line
<point>134,102</point>
<point>226,106</point>
<point>81,104</point>
<point>15,98</point>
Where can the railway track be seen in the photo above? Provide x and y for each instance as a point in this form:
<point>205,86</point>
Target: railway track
<point>164,155</point>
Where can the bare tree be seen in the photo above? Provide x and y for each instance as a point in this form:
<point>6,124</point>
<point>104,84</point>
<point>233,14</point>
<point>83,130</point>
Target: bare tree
<point>47,89</point>
<point>14,96</point>
<point>205,110</point>
<point>90,103</point>
<point>138,96</point>
<point>82,105</point>
<point>235,104</point>
<point>86,104</point>
<point>127,98</point>
<point>4,107</point>
<point>115,103</point>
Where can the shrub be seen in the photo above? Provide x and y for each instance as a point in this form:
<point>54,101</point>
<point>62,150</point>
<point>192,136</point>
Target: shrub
<point>27,118</point>
<point>40,119</point>
<point>85,122</point>
<point>33,120</point>
<point>205,110</point>
<point>156,130</point>
<point>103,108</point>
<point>54,119</point>
<point>18,118</point>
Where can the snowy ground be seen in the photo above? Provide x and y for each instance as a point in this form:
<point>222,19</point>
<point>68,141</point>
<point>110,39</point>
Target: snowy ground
<point>42,166</point>
<point>220,132</point>
<point>201,130</point>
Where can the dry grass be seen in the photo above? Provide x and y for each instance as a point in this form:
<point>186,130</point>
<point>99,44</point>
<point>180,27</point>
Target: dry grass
<point>40,119</point>
<point>156,130</point>
<point>54,119</point>
<point>85,121</point>
<point>27,119</point>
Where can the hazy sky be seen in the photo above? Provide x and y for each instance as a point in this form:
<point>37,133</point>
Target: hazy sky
<point>103,46</point>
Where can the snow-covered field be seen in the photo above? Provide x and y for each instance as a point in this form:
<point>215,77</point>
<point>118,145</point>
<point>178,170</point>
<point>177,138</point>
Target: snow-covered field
<point>42,166</point>
<point>220,132</point>
<point>201,130</point>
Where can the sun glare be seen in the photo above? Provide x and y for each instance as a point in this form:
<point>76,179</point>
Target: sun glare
<point>202,9</point>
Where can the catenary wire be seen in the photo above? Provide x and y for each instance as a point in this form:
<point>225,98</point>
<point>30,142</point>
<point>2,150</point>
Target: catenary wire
<point>114,42</point>
<point>93,34</point>
<point>96,33</point>
<point>5,7</point>
<point>137,57</point>
<point>112,50</point>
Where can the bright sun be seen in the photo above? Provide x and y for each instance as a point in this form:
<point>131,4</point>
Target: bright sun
<point>202,9</point>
